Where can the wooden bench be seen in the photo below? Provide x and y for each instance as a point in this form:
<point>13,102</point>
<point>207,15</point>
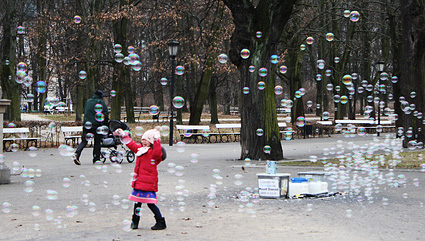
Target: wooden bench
<point>234,110</point>
<point>13,135</point>
<point>191,132</point>
<point>72,134</point>
<point>325,126</point>
<point>365,123</point>
<point>224,131</point>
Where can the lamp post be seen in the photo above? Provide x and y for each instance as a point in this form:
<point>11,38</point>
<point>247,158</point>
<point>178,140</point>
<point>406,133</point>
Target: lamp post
<point>381,65</point>
<point>173,47</point>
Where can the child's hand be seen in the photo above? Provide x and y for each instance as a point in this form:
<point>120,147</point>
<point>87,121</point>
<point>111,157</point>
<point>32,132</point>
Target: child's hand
<point>119,132</point>
<point>157,134</point>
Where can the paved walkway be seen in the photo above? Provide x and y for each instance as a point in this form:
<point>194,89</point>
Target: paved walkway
<point>201,198</point>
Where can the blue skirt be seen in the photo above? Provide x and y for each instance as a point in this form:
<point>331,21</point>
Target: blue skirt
<point>143,196</point>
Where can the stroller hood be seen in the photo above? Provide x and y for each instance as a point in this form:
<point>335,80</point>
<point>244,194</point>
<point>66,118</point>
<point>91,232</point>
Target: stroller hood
<point>116,124</point>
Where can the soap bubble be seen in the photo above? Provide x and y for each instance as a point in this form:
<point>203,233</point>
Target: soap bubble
<point>66,182</point>
<point>163,81</point>
<point>22,66</point>
<point>267,149</point>
<point>65,150</point>
<point>259,132</point>
<point>51,194</point>
<point>125,204</point>
<point>325,115</point>
<point>40,86</point>
<point>247,161</point>
<point>119,58</point>
<point>262,72</point>
<point>179,170</point>
<point>283,69</point>
<point>354,16</point>
<point>14,147</point>
<point>320,64</point>
<point>179,70</point>
<point>328,72</point>
<point>30,97</point>
<point>99,116</point>
<point>347,13</point>
<point>77,19</point>
<point>180,146</point>
<point>245,53</point>
<point>238,179</point>
<point>261,85</point>
<point>394,79</point>
<point>35,210</point>
<point>349,213</point>
<point>222,58</point>
<point>330,37</point>
<point>113,93</point>
<point>20,30</point>
<point>318,77</point>
<point>117,48</point>
<point>302,47</point>
<point>82,74</point>
<point>278,90</point>
<point>153,110</point>
<point>138,131</point>
<point>29,186</point>
<point>88,125</point>
<point>6,207</point>
<point>165,130</point>
<point>287,135</point>
<point>336,60</point>
<point>245,90</point>
<point>178,102</point>
<point>258,34</point>
<point>310,40</point>
<point>344,99</point>
<point>251,68</point>
<point>194,158</point>
<point>347,79</point>
<point>71,211</point>
<point>300,121</point>
<point>137,65</point>
<point>361,131</point>
<point>274,59</point>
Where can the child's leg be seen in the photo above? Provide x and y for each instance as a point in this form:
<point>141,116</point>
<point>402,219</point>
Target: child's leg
<point>136,216</point>
<point>155,210</point>
<point>136,209</point>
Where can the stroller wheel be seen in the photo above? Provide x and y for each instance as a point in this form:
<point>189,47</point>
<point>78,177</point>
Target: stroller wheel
<point>103,156</point>
<point>116,157</point>
<point>130,156</point>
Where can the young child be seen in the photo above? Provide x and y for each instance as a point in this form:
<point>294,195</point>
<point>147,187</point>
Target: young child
<point>145,184</point>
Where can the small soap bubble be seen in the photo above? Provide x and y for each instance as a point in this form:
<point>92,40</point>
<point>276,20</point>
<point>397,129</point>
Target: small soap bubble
<point>310,40</point>
<point>35,210</point>
<point>180,146</point>
<point>77,19</point>
<point>179,70</point>
<point>245,53</point>
<point>349,213</point>
<point>66,182</point>
<point>51,194</point>
<point>178,102</point>
<point>262,72</point>
<point>65,150</point>
<point>222,58</point>
<point>247,161</point>
<point>245,90</point>
<point>153,110</point>
<point>29,186</point>
<point>82,74</point>
<point>163,81</point>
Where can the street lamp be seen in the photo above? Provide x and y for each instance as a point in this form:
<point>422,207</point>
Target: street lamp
<point>380,64</point>
<point>173,47</point>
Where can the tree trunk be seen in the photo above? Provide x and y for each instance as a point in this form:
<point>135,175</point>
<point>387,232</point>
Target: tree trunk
<point>412,65</point>
<point>11,89</point>
<point>213,101</point>
<point>258,108</point>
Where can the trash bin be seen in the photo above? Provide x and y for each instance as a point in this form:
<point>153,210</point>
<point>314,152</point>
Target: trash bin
<point>156,117</point>
<point>273,185</point>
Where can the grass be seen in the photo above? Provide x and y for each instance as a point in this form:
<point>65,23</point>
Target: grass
<point>406,160</point>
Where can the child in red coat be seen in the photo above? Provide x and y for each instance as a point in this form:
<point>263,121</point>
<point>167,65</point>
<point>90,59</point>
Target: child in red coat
<point>145,183</point>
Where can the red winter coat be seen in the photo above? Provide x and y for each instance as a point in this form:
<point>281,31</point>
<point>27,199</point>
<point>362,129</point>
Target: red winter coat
<point>147,174</point>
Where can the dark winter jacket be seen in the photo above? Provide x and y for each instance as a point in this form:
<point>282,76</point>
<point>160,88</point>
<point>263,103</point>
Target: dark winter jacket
<point>90,113</point>
<point>147,174</point>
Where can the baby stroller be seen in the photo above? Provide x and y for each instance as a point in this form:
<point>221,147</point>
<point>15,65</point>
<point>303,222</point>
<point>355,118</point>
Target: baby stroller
<point>116,150</point>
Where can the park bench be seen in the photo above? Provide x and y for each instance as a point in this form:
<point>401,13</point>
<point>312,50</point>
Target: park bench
<point>228,131</point>
<point>234,110</point>
<point>71,134</point>
<point>21,135</point>
<point>325,126</point>
<point>195,133</point>
<point>365,123</point>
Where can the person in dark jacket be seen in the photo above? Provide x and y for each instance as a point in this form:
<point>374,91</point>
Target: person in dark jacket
<point>145,183</point>
<point>95,115</point>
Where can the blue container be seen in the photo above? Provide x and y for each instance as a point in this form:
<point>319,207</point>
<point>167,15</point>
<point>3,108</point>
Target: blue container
<point>299,180</point>
<point>271,167</point>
